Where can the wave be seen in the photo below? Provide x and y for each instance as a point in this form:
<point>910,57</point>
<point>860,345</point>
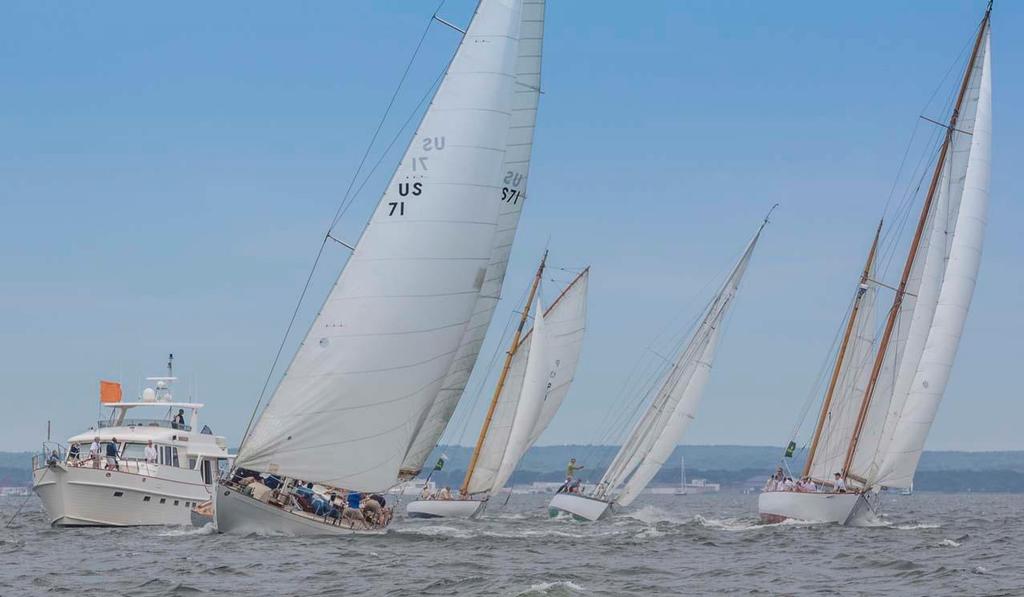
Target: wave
<point>916,527</point>
<point>948,543</point>
<point>561,587</point>
<point>206,529</point>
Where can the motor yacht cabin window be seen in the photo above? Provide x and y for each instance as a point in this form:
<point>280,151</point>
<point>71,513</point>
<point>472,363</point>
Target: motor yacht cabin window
<point>168,455</point>
<point>133,451</point>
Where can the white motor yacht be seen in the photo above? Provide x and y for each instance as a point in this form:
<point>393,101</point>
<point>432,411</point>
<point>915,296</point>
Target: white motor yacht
<point>79,487</point>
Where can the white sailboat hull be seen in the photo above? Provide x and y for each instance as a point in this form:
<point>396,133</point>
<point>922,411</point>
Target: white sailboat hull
<point>235,512</point>
<point>86,496</point>
<point>852,509</point>
<point>579,506</point>
<point>444,508</point>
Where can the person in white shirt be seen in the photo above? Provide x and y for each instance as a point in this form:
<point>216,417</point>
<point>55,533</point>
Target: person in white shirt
<point>788,484</point>
<point>151,452</point>
<point>94,452</point>
<point>839,485</point>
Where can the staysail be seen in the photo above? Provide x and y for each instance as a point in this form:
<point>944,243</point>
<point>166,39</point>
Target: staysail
<point>564,323</point>
<point>515,170</point>
<point>674,406</point>
<point>380,348</point>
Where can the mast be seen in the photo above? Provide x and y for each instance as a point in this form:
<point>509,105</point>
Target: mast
<point>842,352</point>
<point>504,374</point>
<point>914,245</point>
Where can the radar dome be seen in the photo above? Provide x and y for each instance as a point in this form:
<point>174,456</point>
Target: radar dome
<point>149,395</point>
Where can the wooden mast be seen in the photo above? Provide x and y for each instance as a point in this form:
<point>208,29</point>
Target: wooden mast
<point>912,254</point>
<point>865,275</point>
<point>464,490</point>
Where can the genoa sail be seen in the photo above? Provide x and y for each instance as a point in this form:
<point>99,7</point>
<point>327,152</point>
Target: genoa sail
<point>379,350</point>
<point>518,147</point>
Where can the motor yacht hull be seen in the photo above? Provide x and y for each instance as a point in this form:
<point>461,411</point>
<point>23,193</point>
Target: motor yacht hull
<point>852,509</point>
<point>444,508</point>
<point>580,506</point>
<point>235,512</point>
<point>86,496</point>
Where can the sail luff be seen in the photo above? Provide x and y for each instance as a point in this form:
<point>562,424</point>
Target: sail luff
<point>377,352</point>
<point>954,297</point>
<point>504,375</point>
<point>912,253</point>
<point>512,195</point>
<point>851,323</point>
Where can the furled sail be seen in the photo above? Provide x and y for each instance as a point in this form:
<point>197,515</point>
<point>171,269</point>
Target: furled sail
<point>513,195</point>
<point>565,322</point>
<point>379,350</point>
<point>666,419</point>
<point>972,147</point>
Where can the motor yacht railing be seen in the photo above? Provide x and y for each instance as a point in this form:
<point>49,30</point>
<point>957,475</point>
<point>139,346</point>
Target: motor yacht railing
<point>144,423</point>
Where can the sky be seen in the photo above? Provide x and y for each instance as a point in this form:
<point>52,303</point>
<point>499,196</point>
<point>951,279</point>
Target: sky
<point>167,172</point>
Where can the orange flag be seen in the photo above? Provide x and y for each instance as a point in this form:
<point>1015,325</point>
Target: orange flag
<point>110,391</point>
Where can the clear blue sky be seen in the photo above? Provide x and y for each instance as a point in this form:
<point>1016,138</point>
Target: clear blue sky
<point>167,172</point>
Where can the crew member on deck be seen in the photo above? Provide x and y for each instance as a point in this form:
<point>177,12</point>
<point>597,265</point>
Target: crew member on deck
<point>839,485</point>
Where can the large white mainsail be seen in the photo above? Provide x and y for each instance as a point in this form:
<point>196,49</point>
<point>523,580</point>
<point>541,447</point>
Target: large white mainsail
<point>963,261</point>
<point>378,352</point>
<point>565,323</point>
<point>674,406</point>
<point>516,168</point>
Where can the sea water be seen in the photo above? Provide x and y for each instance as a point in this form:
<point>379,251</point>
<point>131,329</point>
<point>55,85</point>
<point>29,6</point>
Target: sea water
<point>926,544</point>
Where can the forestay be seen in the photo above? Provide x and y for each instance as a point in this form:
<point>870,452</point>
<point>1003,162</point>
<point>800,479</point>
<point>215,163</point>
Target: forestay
<point>565,324</point>
<point>513,195</point>
<point>384,341</point>
<point>674,406</point>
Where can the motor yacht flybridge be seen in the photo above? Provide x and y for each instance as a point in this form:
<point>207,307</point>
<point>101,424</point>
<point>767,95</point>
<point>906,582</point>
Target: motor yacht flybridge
<point>883,393</point>
<point>80,486</point>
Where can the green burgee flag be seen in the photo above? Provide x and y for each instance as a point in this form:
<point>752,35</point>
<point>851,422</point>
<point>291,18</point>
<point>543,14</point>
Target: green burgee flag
<point>790,449</point>
<point>439,465</point>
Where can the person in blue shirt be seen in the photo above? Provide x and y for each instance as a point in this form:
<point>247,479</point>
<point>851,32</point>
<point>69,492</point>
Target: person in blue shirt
<point>112,454</point>
<point>354,499</point>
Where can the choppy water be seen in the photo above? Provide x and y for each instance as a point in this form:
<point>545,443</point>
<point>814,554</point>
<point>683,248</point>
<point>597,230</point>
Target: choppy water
<point>929,544</point>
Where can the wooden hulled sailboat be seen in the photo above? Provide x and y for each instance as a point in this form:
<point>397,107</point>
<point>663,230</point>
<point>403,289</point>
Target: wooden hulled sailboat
<point>663,424</point>
<point>383,350</point>
<point>883,394</point>
<point>535,378</point>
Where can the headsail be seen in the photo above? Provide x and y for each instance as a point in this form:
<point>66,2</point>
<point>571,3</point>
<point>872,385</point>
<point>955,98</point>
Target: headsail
<point>378,352</point>
<point>666,419</point>
<point>513,195</point>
